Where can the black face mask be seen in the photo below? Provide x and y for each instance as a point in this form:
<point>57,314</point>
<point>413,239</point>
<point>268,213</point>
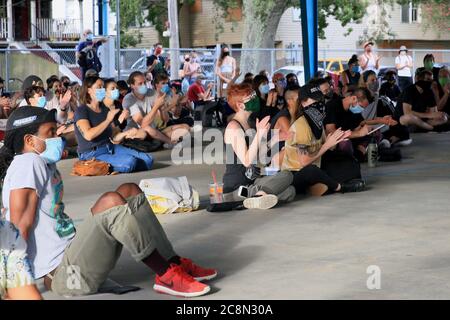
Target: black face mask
<point>423,84</point>
<point>187,60</point>
<point>315,114</point>
<point>226,54</point>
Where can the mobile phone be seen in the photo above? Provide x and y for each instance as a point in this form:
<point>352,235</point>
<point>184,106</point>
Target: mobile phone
<point>377,128</point>
<point>243,191</point>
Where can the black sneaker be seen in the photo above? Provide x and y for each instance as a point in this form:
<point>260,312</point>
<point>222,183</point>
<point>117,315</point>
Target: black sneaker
<point>356,185</point>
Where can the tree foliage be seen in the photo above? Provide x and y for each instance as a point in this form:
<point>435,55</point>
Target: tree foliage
<point>130,15</point>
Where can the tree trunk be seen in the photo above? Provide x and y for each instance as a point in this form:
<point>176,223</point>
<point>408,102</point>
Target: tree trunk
<point>260,27</point>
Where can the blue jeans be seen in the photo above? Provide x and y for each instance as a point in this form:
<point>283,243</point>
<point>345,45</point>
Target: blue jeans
<point>122,159</point>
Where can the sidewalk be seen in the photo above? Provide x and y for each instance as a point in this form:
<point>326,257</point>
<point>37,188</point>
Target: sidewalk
<point>314,248</point>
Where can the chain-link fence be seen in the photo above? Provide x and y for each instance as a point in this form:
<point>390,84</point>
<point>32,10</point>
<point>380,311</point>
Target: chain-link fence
<point>17,64</point>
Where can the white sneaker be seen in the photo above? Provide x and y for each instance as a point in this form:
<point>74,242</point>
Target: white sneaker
<point>404,143</point>
<point>262,202</point>
<point>384,144</point>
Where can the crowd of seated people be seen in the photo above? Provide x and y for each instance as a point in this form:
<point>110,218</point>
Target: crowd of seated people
<point>313,138</point>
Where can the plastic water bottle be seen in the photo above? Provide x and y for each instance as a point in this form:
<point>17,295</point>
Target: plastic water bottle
<point>372,153</point>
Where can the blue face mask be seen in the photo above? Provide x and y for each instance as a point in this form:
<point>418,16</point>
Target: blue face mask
<point>100,94</point>
<point>355,69</point>
<point>142,90</point>
<point>41,102</point>
<point>264,88</point>
<point>166,89</point>
<point>89,37</point>
<point>54,148</point>
<point>356,109</point>
<point>282,83</point>
<point>114,95</point>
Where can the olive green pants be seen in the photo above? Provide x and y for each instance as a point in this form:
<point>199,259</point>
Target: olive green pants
<point>98,243</point>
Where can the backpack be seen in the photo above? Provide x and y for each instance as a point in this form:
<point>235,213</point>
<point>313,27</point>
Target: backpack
<point>214,114</point>
<point>170,195</point>
<point>142,145</point>
<point>88,59</point>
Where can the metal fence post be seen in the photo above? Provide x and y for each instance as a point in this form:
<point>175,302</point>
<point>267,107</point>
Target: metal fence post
<point>414,63</point>
<point>7,68</point>
<point>272,51</point>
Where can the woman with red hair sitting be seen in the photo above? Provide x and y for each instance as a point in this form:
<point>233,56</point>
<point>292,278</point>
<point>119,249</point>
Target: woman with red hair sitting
<point>261,192</point>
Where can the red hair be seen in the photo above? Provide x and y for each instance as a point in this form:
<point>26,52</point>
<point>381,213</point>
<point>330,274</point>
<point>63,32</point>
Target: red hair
<point>237,93</point>
<point>277,76</point>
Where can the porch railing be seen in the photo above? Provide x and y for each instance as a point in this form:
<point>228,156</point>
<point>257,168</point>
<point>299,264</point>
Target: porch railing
<point>3,28</point>
<point>58,29</point>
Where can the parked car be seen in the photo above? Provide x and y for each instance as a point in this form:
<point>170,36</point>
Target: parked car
<point>333,65</point>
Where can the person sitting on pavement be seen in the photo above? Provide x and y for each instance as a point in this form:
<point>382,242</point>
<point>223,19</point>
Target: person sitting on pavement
<point>308,143</point>
<point>149,109</point>
<point>35,97</point>
<point>261,86</point>
<point>291,81</point>
<point>197,93</point>
<point>390,88</point>
<point>33,199</point>
<point>94,132</point>
<point>275,98</point>
<point>345,113</point>
<point>350,77</point>
<point>444,90</point>
<point>263,192</point>
<point>283,120</point>
<point>417,106</point>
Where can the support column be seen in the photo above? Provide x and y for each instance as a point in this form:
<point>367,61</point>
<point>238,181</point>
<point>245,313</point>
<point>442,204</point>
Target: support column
<point>33,19</point>
<point>309,34</point>
<point>9,15</point>
<point>80,5</point>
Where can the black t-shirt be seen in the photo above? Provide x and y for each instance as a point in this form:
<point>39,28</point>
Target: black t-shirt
<point>389,91</point>
<point>420,102</point>
<point>337,115</point>
<point>159,68</point>
<point>94,118</point>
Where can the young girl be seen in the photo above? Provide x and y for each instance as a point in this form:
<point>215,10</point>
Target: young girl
<point>33,200</point>
<point>264,192</point>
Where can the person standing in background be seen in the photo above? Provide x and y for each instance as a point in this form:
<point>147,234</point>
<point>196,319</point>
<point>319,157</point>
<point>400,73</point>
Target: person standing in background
<point>87,53</point>
<point>156,62</point>
<point>369,60</point>
<point>404,65</point>
<point>191,67</point>
<point>225,70</point>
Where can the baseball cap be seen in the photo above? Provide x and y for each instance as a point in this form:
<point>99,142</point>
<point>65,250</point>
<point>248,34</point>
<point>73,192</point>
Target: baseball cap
<point>367,43</point>
<point>32,81</point>
<point>28,115</point>
<point>311,91</point>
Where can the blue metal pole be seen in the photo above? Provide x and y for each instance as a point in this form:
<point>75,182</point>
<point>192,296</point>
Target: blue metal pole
<point>105,18</point>
<point>309,34</point>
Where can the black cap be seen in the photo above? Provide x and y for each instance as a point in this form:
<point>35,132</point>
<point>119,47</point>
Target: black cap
<point>28,115</point>
<point>32,81</point>
<point>311,91</point>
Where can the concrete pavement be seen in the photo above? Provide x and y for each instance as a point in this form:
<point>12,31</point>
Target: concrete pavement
<point>313,248</point>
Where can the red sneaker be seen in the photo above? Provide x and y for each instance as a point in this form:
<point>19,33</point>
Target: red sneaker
<point>199,273</point>
<point>177,282</point>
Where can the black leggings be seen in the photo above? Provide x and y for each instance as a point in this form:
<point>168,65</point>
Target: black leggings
<point>309,176</point>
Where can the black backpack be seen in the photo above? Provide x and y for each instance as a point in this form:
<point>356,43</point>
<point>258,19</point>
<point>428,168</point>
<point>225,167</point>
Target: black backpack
<point>142,145</point>
<point>88,59</point>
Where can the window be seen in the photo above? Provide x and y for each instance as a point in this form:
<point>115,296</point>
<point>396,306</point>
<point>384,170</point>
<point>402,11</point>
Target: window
<point>410,13</point>
<point>296,14</point>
